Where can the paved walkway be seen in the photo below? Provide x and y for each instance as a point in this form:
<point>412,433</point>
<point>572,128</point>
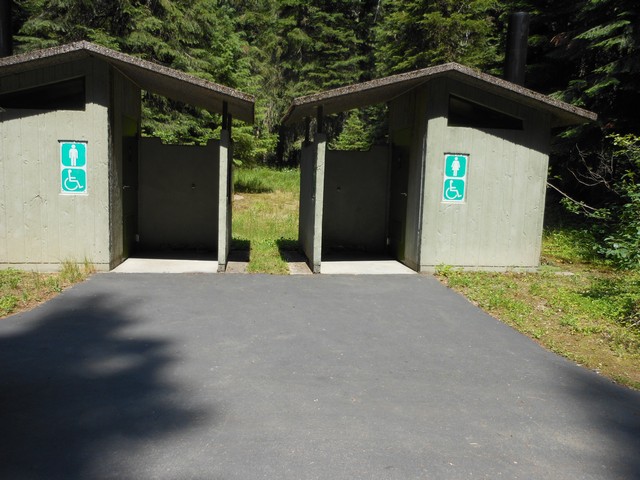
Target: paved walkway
<point>243,377</point>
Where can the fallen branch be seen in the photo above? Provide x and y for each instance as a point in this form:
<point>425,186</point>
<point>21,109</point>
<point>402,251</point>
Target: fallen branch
<point>582,205</point>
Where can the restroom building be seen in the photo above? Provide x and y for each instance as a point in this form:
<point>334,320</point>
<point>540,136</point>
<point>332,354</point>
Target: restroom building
<point>461,181</point>
<point>80,183</point>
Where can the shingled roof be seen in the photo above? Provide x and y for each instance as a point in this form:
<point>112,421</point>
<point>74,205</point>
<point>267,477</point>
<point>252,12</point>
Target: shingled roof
<point>385,89</point>
<point>147,75</point>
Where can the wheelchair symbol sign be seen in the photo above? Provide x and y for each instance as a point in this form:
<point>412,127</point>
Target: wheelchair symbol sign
<point>73,167</point>
<point>455,178</point>
<point>453,190</point>
<point>73,180</point>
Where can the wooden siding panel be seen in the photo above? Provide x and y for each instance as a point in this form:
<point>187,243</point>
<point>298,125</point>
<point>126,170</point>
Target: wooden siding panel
<point>42,226</point>
<point>409,113</point>
<point>307,200</point>
<point>126,102</point>
<point>500,223</point>
<point>355,199</point>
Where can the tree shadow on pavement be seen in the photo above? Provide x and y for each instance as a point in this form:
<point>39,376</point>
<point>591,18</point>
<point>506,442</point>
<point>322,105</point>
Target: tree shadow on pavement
<point>77,395</point>
<point>611,416</point>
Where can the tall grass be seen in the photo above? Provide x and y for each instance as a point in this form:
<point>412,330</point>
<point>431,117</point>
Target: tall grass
<point>21,290</point>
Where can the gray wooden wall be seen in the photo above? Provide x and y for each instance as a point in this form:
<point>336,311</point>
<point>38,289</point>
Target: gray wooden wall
<point>499,226</point>
<point>40,227</point>
<point>178,195</point>
<point>355,200</point>
<point>312,169</point>
<point>225,197</point>
<point>126,104</point>
<point>408,132</point>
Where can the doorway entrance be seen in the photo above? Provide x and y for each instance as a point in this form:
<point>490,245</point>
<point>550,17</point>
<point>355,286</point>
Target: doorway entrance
<point>364,211</point>
<point>170,202</point>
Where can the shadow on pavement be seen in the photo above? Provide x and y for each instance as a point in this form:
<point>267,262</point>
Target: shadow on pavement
<point>77,396</point>
<point>612,413</point>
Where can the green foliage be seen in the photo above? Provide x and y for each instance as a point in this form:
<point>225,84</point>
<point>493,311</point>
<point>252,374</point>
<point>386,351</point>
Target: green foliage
<point>621,229</point>
<point>419,33</point>
<point>10,278</point>
<point>354,136</point>
<point>8,303</point>
<point>252,146</point>
<point>620,297</point>
<point>615,223</point>
<point>605,51</point>
<point>176,123</point>
<point>199,37</point>
<point>20,290</point>
<point>591,315</point>
<point>295,48</point>
<point>267,180</point>
<point>570,245</point>
<point>70,272</point>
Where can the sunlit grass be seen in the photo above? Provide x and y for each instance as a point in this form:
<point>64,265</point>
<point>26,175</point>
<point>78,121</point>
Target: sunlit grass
<point>21,290</point>
<point>578,308</point>
<point>265,215</point>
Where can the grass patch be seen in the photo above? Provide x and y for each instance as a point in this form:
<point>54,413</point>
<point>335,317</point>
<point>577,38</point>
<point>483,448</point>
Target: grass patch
<point>569,246</point>
<point>20,290</point>
<point>265,216</point>
<point>577,307</point>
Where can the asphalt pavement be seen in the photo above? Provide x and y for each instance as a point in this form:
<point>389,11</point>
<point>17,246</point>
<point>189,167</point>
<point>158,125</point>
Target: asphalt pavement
<point>207,376</point>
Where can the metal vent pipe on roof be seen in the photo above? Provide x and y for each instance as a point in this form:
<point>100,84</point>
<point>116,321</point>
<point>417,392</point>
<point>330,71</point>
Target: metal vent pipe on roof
<point>515,59</point>
<point>6,47</point>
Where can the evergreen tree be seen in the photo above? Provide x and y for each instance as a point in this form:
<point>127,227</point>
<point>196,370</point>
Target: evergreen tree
<point>354,135</point>
<point>258,21</point>
<point>420,33</point>
<point>296,48</point>
<point>322,48</point>
<point>195,36</point>
<point>604,50</point>
<point>587,53</point>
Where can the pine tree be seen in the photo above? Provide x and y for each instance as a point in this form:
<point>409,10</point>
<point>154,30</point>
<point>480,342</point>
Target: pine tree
<point>605,54</point>
<point>354,135</point>
<point>296,48</point>
<point>195,36</point>
<point>421,33</point>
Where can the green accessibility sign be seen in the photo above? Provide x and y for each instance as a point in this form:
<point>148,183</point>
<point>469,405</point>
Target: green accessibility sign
<point>73,167</point>
<point>455,178</point>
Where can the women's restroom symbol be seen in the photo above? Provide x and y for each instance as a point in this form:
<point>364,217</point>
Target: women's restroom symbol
<point>455,178</point>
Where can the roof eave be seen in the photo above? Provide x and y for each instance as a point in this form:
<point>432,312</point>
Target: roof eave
<point>355,96</point>
<point>148,75</point>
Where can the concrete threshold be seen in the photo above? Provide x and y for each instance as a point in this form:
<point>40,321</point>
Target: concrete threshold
<point>365,267</point>
<point>166,265</point>
<point>296,262</point>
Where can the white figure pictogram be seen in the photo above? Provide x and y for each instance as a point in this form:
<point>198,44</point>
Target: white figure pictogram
<point>455,166</point>
<point>73,155</point>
